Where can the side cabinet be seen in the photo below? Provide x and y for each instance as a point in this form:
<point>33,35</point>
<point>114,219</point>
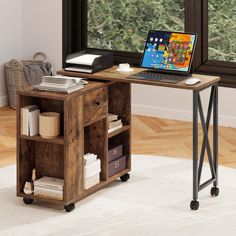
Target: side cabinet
<point>84,129</point>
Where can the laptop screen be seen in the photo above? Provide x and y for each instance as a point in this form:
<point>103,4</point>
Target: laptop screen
<point>169,51</point>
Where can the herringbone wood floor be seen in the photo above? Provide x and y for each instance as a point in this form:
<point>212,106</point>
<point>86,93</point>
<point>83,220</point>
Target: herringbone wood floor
<point>151,136</point>
<point>7,136</point>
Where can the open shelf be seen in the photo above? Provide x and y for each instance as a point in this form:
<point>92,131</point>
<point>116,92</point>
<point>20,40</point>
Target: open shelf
<point>44,105</point>
<point>37,138</point>
<point>122,138</point>
<point>95,141</point>
<point>118,131</point>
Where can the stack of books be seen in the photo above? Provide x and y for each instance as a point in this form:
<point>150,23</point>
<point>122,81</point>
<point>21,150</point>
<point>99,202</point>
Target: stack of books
<point>29,120</point>
<point>59,83</point>
<point>113,122</point>
<point>92,169</point>
<point>49,188</point>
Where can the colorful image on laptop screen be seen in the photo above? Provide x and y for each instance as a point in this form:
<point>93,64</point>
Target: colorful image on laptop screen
<point>169,51</point>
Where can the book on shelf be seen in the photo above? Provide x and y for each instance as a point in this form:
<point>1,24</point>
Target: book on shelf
<point>59,89</point>
<point>48,191</point>
<point>115,123</point>
<point>29,120</point>
<point>61,84</point>
<point>49,182</point>
<point>112,117</point>
<point>63,80</point>
<point>115,128</point>
<point>53,85</point>
<point>34,122</point>
<point>49,187</point>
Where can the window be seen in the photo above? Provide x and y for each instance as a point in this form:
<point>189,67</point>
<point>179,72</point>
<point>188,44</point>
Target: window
<point>122,25</point>
<point>222,30</point>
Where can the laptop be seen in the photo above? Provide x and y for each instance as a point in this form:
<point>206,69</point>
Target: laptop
<point>167,56</point>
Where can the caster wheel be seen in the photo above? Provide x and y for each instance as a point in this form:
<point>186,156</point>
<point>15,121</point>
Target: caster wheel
<point>27,201</point>
<point>215,191</point>
<point>70,207</point>
<point>125,177</point>
<point>194,205</point>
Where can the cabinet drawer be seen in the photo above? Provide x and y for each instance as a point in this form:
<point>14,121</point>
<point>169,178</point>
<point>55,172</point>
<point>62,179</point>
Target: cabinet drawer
<point>95,105</point>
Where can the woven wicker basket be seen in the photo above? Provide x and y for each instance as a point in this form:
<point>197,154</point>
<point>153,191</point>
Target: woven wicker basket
<point>15,77</point>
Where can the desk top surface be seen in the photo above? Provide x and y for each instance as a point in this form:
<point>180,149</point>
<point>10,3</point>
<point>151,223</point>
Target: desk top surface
<point>112,74</point>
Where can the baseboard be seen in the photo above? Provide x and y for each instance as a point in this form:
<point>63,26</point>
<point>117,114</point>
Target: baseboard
<point>176,114</point>
<point>3,101</point>
<point>229,121</point>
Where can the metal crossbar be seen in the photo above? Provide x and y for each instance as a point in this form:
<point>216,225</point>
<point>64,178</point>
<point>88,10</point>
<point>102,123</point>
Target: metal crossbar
<point>206,143</point>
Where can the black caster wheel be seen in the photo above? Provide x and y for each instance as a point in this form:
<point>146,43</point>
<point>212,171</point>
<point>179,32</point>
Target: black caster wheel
<point>125,177</point>
<point>215,191</point>
<point>27,201</point>
<point>194,205</point>
<point>70,207</point>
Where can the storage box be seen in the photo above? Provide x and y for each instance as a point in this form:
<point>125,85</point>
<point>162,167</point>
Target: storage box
<point>91,181</point>
<point>92,169</point>
<point>115,153</point>
<point>116,166</point>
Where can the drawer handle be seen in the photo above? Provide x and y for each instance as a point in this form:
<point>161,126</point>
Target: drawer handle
<point>97,103</point>
<point>117,163</point>
<point>114,152</point>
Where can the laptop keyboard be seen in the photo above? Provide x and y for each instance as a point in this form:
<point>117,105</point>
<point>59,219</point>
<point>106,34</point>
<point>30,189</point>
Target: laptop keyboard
<point>154,76</point>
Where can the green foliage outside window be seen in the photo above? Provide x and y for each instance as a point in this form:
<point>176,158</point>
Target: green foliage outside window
<point>222,30</point>
<point>123,24</point>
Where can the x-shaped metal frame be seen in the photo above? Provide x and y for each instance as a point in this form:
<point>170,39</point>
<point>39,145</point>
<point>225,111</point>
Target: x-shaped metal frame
<point>212,156</point>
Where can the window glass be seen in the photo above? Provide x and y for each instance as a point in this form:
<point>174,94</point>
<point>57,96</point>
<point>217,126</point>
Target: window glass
<point>222,30</point>
<point>123,24</point>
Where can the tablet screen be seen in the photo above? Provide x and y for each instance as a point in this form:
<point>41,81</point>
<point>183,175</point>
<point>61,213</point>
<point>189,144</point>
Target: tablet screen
<point>169,51</point>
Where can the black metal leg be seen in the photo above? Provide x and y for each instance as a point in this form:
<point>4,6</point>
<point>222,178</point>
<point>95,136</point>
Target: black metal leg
<point>194,204</point>
<point>213,162</point>
<point>215,134</point>
<point>195,145</point>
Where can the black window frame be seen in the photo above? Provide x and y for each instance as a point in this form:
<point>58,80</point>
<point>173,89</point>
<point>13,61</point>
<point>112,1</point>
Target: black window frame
<point>196,20</point>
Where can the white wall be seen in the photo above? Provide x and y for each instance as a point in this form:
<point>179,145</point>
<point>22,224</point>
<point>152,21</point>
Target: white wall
<point>42,31</point>
<point>11,38</point>
<point>177,104</point>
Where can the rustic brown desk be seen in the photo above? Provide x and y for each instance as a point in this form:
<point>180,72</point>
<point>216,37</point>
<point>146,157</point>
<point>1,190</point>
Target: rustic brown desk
<point>206,82</point>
